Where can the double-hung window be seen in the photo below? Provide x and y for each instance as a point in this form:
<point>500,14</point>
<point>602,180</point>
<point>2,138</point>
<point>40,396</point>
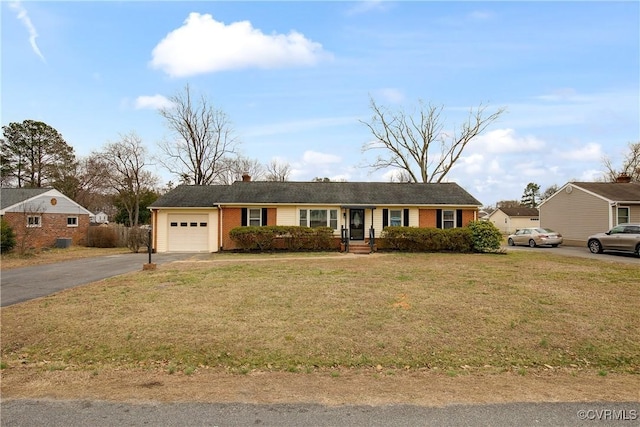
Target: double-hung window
<point>34,221</point>
<point>623,215</point>
<point>72,221</point>
<point>448,219</point>
<point>255,217</point>
<point>395,217</point>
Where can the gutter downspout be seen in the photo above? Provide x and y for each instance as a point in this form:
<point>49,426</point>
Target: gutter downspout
<point>219,227</point>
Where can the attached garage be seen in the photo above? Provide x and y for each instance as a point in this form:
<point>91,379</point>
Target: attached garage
<point>177,230</point>
<point>188,233</point>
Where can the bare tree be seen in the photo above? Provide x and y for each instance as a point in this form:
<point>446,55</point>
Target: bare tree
<point>203,138</point>
<point>400,176</point>
<point>32,220</point>
<point>124,162</point>
<point>278,171</point>
<point>234,168</point>
<point>630,165</point>
<point>418,145</point>
<point>550,191</point>
<point>509,204</point>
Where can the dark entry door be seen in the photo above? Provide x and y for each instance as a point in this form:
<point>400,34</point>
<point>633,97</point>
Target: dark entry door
<point>356,224</point>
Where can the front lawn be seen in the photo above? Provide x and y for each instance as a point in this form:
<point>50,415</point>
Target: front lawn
<point>450,313</point>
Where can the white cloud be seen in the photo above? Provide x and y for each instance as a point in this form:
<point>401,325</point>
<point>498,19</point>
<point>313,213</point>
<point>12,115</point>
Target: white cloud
<point>316,158</point>
<point>506,141</point>
<point>588,153</point>
<point>154,102</point>
<point>395,96</point>
<point>204,45</point>
<point>591,175</point>
<point>26,21</point>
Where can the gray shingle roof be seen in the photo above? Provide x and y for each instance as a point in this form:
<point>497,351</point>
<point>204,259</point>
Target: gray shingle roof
<point>521,211</point>
<point>192,196</point>
<point>330,193</point>
<point>616,191</point>
<point>13,196</point>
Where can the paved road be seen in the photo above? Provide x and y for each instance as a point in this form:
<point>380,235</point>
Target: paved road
<point>51,413</point>
<point>22,284</point>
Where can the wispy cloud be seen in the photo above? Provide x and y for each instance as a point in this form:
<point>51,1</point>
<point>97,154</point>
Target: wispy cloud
<point>300,126</point>
<point>23,16</point>
<point>365,6</point>
<point>204,45</point>
<point>154,102</point>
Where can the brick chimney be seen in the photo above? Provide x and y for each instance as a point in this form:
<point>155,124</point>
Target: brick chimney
<point>623,178</point>
<point>246,177</point>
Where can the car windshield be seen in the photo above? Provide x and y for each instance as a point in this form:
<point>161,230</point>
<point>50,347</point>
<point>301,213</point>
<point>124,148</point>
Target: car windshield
<point>544,230</point>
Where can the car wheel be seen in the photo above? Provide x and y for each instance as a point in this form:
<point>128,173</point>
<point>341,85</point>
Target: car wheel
<point>510,242</point>
<point>638,250</point>
<point>532,243</point>
<point>554,246</point>
<point>595,247</point>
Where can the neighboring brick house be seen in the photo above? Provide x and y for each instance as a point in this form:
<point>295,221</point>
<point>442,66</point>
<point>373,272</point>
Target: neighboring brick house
<point>199,218</point>
<point>508,220</point>
<point>41,216</point>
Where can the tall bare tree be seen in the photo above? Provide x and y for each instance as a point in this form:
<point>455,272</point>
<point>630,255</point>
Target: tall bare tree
<point>233,168</point>
<point>203,137</point>
<point>124,162</point>
<point>418,144</point>
<point>630,165</point>
<point>278,171</point>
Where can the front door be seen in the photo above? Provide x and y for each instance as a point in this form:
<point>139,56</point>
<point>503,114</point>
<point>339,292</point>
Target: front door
<point>356,224</point>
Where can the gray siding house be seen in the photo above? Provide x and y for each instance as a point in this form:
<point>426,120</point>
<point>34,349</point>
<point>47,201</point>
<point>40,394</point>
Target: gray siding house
<point>580,209</point>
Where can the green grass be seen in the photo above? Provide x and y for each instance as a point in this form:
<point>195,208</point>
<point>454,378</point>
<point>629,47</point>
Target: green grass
<point>398,311</point>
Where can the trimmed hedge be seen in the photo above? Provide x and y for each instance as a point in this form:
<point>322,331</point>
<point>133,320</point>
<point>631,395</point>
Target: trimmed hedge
<point>293,238</point>
<point>414,239</point>
<point>478,236</point>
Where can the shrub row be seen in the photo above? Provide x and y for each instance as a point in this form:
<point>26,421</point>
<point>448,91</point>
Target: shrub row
<point>292,238</point>
<point>478,236</point>
<point>414,239</point>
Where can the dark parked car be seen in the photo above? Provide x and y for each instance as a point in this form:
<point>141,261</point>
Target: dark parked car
<point>622,237</point>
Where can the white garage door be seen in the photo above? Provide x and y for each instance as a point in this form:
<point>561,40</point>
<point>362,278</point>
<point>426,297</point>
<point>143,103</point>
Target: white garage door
<point>188,233</point>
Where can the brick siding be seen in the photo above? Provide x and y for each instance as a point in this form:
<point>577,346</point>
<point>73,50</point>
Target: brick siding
<point>53,226</point>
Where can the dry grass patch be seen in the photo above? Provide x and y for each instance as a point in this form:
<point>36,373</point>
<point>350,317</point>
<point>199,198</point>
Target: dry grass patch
<point>455,314</point>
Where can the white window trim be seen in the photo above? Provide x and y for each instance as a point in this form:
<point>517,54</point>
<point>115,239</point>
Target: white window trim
<point>618,214</point>
<point>452,221</point>
<point>399,217</point>
<point>327,210</point>
<point>258,218</point>
<point>38,222</point>
<point>72,225</point>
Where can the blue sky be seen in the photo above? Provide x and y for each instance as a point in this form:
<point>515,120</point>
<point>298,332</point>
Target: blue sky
<point>295,78</point>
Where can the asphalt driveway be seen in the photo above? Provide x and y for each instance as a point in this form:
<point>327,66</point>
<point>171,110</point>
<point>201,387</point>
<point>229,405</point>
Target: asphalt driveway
<point>22,284</point>
<point>581,252</point>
